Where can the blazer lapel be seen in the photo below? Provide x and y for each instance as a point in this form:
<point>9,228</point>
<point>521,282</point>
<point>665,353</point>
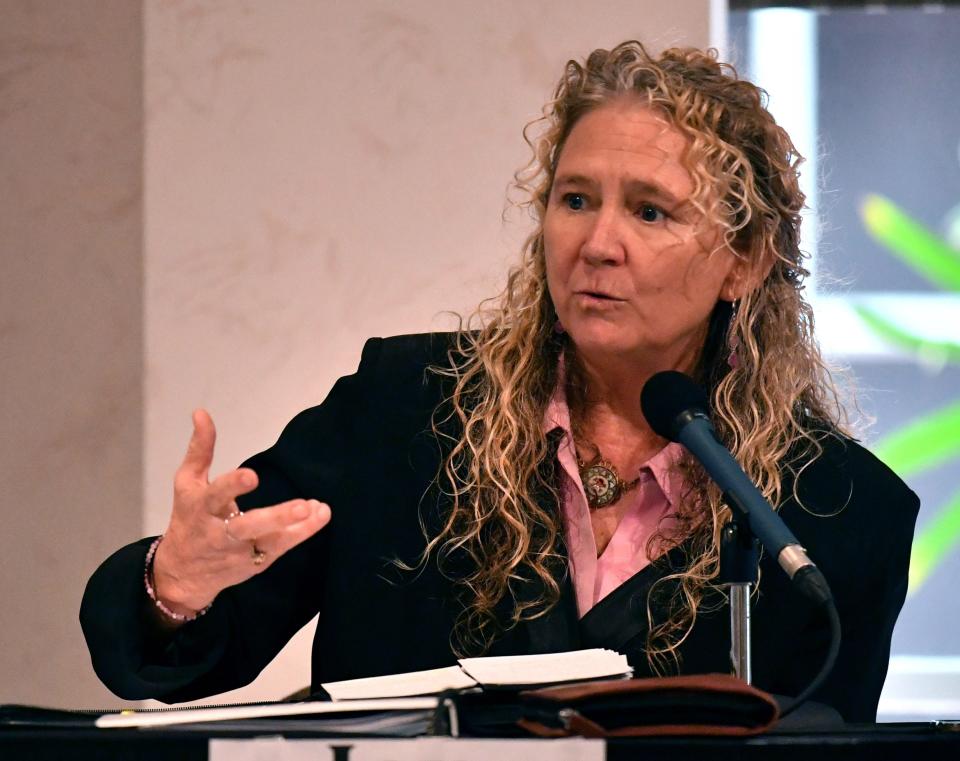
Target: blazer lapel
<point>558,629</point>
<point>622,615</point>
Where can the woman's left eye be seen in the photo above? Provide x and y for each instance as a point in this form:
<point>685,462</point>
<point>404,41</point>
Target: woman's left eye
<point>650,213</point>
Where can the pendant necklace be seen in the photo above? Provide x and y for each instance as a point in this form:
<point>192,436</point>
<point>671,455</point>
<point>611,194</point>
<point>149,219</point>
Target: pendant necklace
<point>600,479</point>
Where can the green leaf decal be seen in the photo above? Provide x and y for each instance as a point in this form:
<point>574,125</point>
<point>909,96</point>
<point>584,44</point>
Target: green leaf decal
<point>934,542</point>
<point>913,243</point>
<point>923,443</point>
<point>945,351</point>
<point>933,439</point>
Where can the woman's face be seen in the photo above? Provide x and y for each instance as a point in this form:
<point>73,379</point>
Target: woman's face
<point>632,267</point>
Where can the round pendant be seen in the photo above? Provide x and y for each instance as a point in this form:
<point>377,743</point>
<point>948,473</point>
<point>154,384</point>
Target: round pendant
<point>601,485</point>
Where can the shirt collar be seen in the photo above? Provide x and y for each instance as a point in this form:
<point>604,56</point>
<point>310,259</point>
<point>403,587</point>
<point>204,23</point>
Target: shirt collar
<point>662,465</point>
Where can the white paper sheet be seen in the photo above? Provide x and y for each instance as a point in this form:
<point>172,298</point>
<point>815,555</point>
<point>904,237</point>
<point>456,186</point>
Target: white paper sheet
<point>196,715</point>
<point>428,682</point>
<point>547,668</point>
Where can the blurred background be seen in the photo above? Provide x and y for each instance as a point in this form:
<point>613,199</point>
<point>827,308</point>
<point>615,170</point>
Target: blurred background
<point>870,94</point>
<point>215,202</point>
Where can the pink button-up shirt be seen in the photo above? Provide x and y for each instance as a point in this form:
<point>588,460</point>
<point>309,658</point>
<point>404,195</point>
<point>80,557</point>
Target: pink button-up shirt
<point>652,504</point>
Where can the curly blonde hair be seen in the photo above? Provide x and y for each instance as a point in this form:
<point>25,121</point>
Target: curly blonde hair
<point>767,409</point>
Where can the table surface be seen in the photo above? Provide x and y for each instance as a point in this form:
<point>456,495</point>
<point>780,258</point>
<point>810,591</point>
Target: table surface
<point>915,742</point>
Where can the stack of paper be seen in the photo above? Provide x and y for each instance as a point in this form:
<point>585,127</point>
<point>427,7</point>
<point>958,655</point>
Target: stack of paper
<point>501,671</point>
<point>385,704</point>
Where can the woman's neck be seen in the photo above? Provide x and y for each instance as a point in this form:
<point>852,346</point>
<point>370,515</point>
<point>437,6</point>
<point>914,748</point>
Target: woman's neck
<point>604,397</point>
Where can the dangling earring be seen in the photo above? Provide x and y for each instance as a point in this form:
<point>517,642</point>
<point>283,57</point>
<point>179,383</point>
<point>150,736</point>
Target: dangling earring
<point>558,327</point>
<point>733,340</point>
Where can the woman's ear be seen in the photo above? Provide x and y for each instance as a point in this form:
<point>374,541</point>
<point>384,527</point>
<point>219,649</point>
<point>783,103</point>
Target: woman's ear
<point>747,274</point>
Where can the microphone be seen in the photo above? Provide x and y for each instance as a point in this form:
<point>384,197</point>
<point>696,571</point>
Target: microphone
<point>676,409</point>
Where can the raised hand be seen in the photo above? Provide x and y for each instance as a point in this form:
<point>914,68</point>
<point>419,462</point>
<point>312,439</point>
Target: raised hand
<point>209,545</point>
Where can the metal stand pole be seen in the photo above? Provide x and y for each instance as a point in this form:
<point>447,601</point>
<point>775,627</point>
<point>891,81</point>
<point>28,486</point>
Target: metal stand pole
<point>740,631</point>
<point>738,570</point>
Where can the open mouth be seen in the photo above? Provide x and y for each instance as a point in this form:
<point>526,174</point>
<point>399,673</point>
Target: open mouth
<point>597,295</point>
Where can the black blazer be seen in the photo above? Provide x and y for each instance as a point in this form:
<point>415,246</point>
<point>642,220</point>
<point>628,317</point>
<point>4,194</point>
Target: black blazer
<point>368,452</point>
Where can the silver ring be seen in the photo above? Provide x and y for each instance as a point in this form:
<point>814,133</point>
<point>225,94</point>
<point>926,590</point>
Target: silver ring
<point>226,526</point>
<point>257,555</point>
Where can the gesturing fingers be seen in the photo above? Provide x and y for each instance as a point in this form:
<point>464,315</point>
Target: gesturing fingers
<point>199,456</point>
<point>220,495</point>
<point>210,553</point>
<point>261,536</point>
<point>296,520</point>
<point>267,548</point>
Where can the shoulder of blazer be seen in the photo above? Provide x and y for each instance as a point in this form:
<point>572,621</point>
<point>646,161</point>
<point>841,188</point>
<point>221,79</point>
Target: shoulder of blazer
<point>848,483</point>
<point>392,379</point>
<point>406,353</point>
<point>401,372</point>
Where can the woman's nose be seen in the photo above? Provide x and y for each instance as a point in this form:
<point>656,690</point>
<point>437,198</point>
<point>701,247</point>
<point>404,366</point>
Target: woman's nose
<point>604,242</point>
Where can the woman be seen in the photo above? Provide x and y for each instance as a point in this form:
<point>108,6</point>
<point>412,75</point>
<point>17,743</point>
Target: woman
<point>499,491</point>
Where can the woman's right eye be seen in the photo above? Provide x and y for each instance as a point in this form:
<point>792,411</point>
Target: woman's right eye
<point>574,201</point>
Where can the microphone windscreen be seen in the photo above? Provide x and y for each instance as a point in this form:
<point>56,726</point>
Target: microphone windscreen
<point>666,396</point>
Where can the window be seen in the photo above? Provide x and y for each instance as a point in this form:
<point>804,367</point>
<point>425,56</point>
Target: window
<point>871,95</point>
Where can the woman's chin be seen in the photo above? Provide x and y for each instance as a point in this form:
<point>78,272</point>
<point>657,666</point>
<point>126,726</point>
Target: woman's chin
<point>604,343</point>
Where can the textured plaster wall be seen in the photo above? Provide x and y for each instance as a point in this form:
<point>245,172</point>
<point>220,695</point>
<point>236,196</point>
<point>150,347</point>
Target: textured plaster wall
<point>318,173</point>
<point>71,305</point>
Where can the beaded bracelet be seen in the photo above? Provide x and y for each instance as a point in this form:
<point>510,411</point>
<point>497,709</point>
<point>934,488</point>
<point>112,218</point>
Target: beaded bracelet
<point>148,575</point>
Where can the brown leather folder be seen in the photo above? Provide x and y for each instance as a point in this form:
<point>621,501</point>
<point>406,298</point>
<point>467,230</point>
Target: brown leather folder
<point>709,704</point>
